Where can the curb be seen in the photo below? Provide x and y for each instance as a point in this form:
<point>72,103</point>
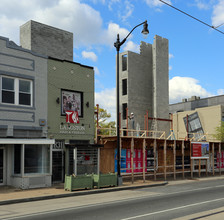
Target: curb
<point>97,191</point>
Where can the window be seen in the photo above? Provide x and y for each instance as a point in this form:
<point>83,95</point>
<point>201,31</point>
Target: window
<point>124,107</point>
<point>124,86</point>
<point>17,159</point>
<point>16,91</point>
<point>37,159</point>
<point>124,62</point>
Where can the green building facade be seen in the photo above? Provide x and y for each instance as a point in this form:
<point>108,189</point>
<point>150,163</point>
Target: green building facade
<point>71,93</point>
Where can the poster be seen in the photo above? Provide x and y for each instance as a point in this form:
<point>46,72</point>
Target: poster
<point>71,101</point>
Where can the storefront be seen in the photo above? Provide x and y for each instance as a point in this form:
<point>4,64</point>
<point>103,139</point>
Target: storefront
<point>26,163</point>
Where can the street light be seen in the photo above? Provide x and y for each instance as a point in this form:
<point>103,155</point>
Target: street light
<point>118,44</point>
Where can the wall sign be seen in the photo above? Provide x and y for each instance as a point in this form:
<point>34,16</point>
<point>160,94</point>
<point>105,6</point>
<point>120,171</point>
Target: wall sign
<point>72,117</point>
<point>72,129</point>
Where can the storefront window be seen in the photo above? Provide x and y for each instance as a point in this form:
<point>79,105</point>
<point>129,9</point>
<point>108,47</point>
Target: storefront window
<point>17,159</point>
<point>37,159</point>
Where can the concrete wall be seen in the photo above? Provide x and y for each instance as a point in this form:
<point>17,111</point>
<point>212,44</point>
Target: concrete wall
<point>147,75</point>
<point>17,120</point>
<point>161,81</point>
<point>73,77</point>
<point>47,40</point>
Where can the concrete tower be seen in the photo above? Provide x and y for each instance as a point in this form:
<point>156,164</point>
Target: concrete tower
<point>144,84</point>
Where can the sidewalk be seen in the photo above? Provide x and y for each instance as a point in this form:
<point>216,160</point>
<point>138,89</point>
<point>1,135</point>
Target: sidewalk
<point>11,195</point>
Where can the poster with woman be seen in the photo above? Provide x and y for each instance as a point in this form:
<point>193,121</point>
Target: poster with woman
<point>71,101</point>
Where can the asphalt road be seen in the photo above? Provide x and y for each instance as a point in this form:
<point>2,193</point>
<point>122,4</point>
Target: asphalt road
<point>165,202</point>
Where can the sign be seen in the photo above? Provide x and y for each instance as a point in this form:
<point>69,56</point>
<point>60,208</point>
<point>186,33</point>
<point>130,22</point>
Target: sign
<point>196,150</point>
<point>72,117</point>
<point>72,129</point>
<point>200,149</point>
<point>71,101</point>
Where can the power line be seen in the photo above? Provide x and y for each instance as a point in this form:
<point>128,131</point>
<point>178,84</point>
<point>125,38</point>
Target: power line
<point>193,17</point>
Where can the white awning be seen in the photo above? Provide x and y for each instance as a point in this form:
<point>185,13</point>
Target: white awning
<point>26,141</point>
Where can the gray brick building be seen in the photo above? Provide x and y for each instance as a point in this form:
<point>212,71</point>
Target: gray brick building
<point>144,84</point>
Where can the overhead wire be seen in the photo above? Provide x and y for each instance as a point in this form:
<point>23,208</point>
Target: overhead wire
<point>192,17</point>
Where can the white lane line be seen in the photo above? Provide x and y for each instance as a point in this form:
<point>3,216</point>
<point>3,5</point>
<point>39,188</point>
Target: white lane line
<point>173,209</point>
<point>109,202</point>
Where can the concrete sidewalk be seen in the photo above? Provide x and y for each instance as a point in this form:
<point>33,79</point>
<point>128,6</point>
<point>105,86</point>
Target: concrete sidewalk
<point>11,195</point>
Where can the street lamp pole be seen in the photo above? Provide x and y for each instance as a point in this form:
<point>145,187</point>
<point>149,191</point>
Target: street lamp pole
<point>118,44</point>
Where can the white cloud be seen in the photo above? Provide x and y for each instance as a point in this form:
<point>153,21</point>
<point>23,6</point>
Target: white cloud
<point>79,18</point>
<point>171,56</point>
<point>97,72</point>
<point>107,100</point>
<point>131,46</point>
<point>220,92</point>
<point>129,8</point>
<point>155,3</point>
<point>218,14</point>
<point>185,87</point>
<point>110,35</point>
<point>89,55</point>
<point>203,5</point>
<point>170,67</point>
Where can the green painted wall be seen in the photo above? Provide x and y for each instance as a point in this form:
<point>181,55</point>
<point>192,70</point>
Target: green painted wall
<point>65,75</point>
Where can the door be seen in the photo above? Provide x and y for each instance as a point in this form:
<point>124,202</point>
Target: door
<point>1,165</point>
<point>57,166</point>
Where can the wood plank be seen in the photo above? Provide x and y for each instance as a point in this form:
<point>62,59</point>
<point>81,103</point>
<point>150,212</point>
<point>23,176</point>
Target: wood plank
<point>144,148</point>
<point>165,160</point>
<point>132,160</point>
<point>155,161</point>
<point>213,158</point>
<point>182,149</point>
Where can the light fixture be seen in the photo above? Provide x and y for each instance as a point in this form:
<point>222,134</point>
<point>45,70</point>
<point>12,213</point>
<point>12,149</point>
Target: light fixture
<point>58,100</point>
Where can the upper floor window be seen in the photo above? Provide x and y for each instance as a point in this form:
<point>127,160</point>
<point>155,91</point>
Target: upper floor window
<point>16,91</point>
<point>124,86</point>
<point>124,62</point>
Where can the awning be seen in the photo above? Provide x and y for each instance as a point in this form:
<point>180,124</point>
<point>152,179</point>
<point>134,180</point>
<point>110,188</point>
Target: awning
<point>84,145</point>
<point>26,141</point>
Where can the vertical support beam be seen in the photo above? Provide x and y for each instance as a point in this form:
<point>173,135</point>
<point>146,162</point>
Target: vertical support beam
<point>174,159</point>
<point>51,155</point>
<point>155,160</point>
<point>182,153</point>
<point>127,121</point>
<point>147,123</point>
<point>98,161</point>
<point>165,160</point>
<point>22,159</point>
<point>220,159</point>
<point>199,168</point>
<point>143,149</point>
<point>132,160</point>
<point>213,158</point>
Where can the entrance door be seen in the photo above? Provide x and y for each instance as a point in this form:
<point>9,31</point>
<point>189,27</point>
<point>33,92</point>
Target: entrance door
<point>1,165</point>
<point>57,166</point>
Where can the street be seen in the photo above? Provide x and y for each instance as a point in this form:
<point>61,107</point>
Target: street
<point>177,200</point>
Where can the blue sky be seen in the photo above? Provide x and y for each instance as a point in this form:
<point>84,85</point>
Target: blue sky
<point>196,51</point>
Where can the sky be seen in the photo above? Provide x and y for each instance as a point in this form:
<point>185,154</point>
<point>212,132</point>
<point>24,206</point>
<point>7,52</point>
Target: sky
<point>196,64</point>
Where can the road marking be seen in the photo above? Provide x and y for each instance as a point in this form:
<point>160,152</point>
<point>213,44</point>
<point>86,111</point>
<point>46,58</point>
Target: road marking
<point>173,209</point>
<point>110,202</point>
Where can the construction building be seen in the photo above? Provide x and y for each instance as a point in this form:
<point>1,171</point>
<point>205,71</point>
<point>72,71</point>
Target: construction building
<point>144,86</point>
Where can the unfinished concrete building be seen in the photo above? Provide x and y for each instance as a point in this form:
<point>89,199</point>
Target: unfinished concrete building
<point>144,86</point>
